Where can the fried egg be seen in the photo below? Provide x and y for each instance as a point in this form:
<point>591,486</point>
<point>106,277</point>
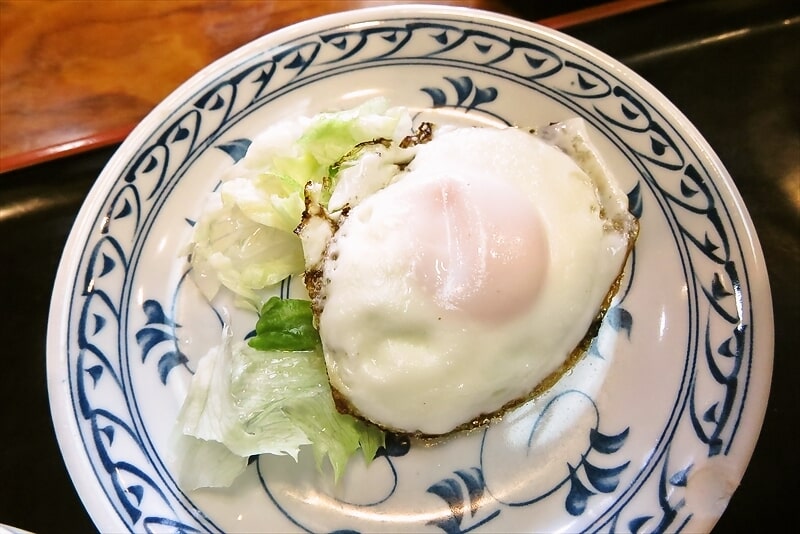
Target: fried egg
<point>469,277</point>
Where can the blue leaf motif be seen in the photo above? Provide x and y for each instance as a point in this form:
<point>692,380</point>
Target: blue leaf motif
<point>155,313</point>
<point>681,478</point>
<point>218,103</point>
<point>605,444</point>
<point>635,201</point>
<point>437,95</point>
<point>99,323</point>
<point>463,86</point>
<point>108,265</point>
<point>450,491</point>
<point>95,372</point>
<point>180,134</point>
<point>168,362</point>
<point>137,491</point>
<point>585,84</point>
<point>298,62</point>
<point>718,288</point>
<point>725,349</point>
<point>130,205</point>
<point>483,48</point>
<point>637,523</point>
<point>604,480</point>
<point>148,338</point>
<point>340,43</point>
<point>629,113</point>
<point>236,149</point>
<point>658,148</point>
<point>483,96</point>
<point>264,79</point>
<point>301,62</point>
<point>535,62</point>
<point>108,432</point>
<point>152,163</point>
<point>687,191</point>
<point>620,319</point>
<point>710,415</point>
<point>125,210</point>
<point>708,246</point>
<point>121,471</point>
<point>474,483</point>
<point>594,351</point>
<point>578,494</point>
<point>441,38</point>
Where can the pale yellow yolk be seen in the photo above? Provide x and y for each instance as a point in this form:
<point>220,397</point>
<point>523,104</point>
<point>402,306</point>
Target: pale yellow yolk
<point>482,249</point>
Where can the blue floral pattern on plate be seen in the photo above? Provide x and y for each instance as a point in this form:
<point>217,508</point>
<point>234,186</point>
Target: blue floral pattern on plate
<point>681,333</point>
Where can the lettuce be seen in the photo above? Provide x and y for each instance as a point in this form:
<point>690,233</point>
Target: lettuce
<point>243,401</point>
<point>244,238</point>
<point>233,250</point>
<point>286,325</point>
<point>270,395</point>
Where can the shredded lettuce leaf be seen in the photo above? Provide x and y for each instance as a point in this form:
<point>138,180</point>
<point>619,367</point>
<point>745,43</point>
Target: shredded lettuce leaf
<point>233,250</point>
<point>285,325</point>
<point>244,239</point>
<point>243,401</point>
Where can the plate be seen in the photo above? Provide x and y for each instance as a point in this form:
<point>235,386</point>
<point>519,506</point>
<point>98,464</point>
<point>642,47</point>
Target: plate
<point>652,430</point>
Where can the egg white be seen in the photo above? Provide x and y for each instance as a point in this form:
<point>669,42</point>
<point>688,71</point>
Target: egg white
<point>462,284</point>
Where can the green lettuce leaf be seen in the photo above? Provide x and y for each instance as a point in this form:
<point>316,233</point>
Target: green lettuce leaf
<point>243,401</point>
<point>334,435</point>
<point>285,325</point>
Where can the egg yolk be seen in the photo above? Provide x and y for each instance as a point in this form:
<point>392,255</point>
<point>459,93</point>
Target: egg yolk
<point>481,248</point>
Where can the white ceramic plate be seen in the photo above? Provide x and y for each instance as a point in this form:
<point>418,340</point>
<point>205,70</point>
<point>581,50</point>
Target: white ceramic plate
<point>652,430</point>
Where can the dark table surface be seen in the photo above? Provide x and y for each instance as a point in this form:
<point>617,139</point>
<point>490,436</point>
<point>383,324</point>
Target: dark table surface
<point>731,66</point>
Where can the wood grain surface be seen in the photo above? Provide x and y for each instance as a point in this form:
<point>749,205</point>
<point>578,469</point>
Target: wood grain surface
<point>77,74</point>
